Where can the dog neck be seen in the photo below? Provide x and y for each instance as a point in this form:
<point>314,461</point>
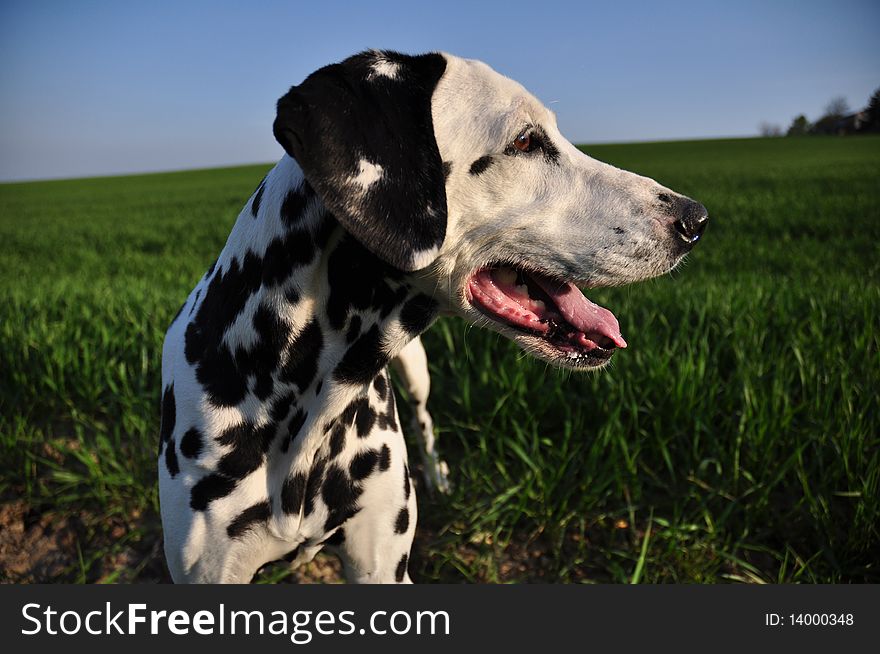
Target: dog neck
<point>296,311</point>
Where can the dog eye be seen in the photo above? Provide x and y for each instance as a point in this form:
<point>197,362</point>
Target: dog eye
<point>528,140</point>
<point>523,142</point>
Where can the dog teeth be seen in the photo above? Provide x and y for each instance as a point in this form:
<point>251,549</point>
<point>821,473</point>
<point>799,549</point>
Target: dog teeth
<point>539,304</point>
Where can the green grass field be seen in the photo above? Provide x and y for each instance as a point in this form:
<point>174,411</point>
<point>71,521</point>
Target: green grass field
<point>736,439</point>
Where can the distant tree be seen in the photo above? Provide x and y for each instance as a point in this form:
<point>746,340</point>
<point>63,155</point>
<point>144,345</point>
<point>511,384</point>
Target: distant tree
<point>873,110</point>
<point>829,123</point>
<point>769,130</point>
<point>837,108</point>
<point>799,126</point>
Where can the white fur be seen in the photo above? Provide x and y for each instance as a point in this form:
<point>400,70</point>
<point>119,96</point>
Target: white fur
<point>385,68</point>
<point>423,258</point>
<point>368,174</point>
<point>560,218</point>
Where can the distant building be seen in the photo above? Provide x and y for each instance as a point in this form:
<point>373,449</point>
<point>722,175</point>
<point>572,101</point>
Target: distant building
<point>855,122</point>
<point>841,125</point>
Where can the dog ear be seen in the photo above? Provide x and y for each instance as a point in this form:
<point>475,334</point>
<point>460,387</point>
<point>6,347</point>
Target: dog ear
<point>363,134</point>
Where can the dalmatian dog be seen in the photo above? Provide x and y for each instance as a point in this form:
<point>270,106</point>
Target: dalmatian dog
<point>411,186</point>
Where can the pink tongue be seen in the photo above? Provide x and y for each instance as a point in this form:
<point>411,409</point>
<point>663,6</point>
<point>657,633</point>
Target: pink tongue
<point>495,290</point>
<point>582,314</point>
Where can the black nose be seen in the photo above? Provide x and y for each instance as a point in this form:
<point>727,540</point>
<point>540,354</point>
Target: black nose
<point>690,220</point>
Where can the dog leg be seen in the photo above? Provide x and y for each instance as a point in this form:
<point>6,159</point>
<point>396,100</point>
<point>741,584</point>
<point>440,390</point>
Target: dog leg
<point>375,543</point>
<point>411,366</point>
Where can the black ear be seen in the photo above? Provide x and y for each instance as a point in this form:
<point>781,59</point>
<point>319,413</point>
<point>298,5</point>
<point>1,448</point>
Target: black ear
<point>362,132</point>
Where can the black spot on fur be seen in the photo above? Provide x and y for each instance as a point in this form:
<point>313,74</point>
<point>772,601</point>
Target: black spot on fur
<point>481,165</point>
<point>292,493</point>
<point>417,314</point>
<point>211,268</point>
<point>220,378</point>
<point>402,522</point>
<point>295,203</point>
<point>258,196</point>
<point>249,446</point>
<point>264,386</point>
<point>365,419</point>
<point>380,386</point>
<point>302,356</point>
<point>210,488</point>
<point>171,459</point>
<point>281,407</point>
<point>292,295</point>
<point>169,417</point>
<point>363,464</point>
<point>388,304</point>
<point>619,230</point>
<point>272,334</point>
<point>313,485</point>
<point>337,440</point>
<point>447,169</point>
<point>318,387</point>
<point>363,360</point>
<point>347,415</point>
<point>354,329</point>
<point>387,420</point>
<point>340,495</point>
<point>384,458</point>
<point>224,300</point>
<point>406,483</point>
<point>295,426</point>
<point>400,573</point>
<point>191,443</point>
<point>286,254</point>
<point>358,280</point>
<point>248,518</point>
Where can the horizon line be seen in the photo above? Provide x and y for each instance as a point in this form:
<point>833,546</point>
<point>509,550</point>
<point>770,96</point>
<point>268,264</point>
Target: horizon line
<point>244,164</point>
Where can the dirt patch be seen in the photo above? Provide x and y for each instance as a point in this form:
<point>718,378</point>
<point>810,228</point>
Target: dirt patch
<point>53,547</point>
<point>36,548</point>
<point>49,547</point>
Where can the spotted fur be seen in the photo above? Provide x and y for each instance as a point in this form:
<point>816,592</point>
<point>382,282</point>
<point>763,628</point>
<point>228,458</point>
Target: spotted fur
<point>279,432</point>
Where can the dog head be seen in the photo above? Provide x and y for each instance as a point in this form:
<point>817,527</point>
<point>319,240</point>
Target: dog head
<point>450,171</point>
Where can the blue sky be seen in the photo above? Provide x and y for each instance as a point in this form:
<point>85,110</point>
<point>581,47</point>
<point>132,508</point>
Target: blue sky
<point>91,87</point>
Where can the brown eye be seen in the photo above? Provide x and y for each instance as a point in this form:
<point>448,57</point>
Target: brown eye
<point>523,142</point>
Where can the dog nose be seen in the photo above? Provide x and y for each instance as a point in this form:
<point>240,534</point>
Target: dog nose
<point>690,220</point>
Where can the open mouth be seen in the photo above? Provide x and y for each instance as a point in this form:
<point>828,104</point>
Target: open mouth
<point>553,314</point>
